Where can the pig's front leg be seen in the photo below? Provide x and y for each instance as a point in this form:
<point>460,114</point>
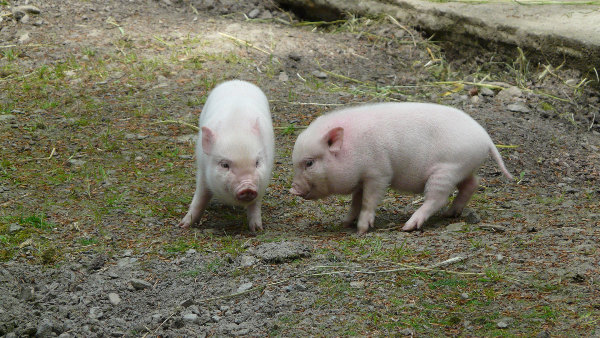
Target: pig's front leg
<point>201,198</point>
<point>372,191</point>
<point>254,216</point>
<point>355,207</point>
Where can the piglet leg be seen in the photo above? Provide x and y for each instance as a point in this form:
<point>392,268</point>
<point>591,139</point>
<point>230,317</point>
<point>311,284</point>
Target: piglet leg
<point>437,190</point>
<point>201,198</point>
<point>373,190</point>
<point>254,216</point>
<point>466,188</point>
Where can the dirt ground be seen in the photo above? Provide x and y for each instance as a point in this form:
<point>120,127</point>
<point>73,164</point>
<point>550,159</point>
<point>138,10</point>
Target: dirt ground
<point>98,100</point>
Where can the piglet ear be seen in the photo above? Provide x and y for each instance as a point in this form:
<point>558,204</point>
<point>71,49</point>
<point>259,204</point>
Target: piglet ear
<point>256,128</point>
<point>334,138</point>
<point>208,140</point>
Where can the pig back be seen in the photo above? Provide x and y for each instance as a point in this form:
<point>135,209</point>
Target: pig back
<point>408,141</point>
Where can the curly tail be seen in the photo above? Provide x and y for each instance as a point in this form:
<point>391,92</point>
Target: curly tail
<point>496,155</point>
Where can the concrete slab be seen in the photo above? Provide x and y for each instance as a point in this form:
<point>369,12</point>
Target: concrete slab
<point>567,30</point>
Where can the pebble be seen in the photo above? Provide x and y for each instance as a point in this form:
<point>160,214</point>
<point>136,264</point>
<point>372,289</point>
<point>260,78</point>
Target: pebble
<point>244,287</point>
<point>464,295</point>
<point>14,228</point>
<point>114,298</point>
<point>471,217</point>
<point>319,74</point>
<point>486,91</point>
<point>247,261</point>
<point>7,117</point>
<point>75,162</point>
<point>279,252</point>
<point>283,77</point>
<point>26,9</point>
<point>502,324</point>
<point>357,285</point>
<point>96,313</point>
<point>254,13</point>
<point>139,284</point>
<point>126,262</point>
<point>509,93</point>
<point>493,227</point>
<point>190,317</point>
<point>45,328</point>
<point>518,107</point>
<point>455,226</point>
<point>295,56</point>
<point>23,38</point>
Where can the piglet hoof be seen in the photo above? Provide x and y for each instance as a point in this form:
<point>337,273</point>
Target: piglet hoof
<point>185,222</point>
<point>410,226</point>
<point>253,226</point>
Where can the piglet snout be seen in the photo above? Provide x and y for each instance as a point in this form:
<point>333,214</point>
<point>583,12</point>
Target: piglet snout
<point>246,195</point>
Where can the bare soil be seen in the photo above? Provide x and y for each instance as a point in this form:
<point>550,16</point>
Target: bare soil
<point>96,170</point>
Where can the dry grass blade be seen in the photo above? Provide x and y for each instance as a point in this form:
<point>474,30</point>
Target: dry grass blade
<point>40,158</point>
<point>395,22</point>
<point>178,122</point>
<point>245,43</point>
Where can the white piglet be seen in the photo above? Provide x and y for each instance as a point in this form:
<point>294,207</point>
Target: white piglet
<point>414,147</point>
<point>234,151</point>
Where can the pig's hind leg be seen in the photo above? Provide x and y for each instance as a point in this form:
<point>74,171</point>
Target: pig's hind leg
<point>438,188</point>
<point>199,202</point>
<point>466,188</point>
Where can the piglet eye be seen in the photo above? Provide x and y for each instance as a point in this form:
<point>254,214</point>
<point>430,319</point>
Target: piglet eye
<point>224,165</point>
<point>257,163</point>
<point>309,163</point>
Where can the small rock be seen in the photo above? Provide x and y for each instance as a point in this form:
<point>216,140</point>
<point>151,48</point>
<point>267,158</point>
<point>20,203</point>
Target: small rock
<point>283,77</point>
<point>244,287</point>
<point>114,298</point>
<point>190,251</point>
<point>475,99</point>
<point>64,335</point>
<point>254,13</point>
<point>216,318</point>
<point>319,74</point>
<point>96,313</point>
<point>27,293</point>
<point>499,257</point>
<point>518,107</point>
<point>357,285</point>
<point>190,317</point>
<point>6,117</point>
<point>279,252</point>
<point>240,332</point>
<point>45,328</point>
<point>471,217</point>
<point>455,227</point>
<point>14,228</point>
<point>139,284</point>
<point>485,91</point>
<point>127,253</point>
<point>97,262</point>
<point>187,303</point>
<point>509,93</point>
<point>295,56</point>
<point>492,227</point>
<point>24,38</point>
<point>75,162</point>
<point>502,325</point>
<point>126,262</point>
<point>26,9</point>
<point>189,138</point>
<point>247,261</point>
<point>406,332</point>
<point>531,229</point>
<point>25,19</point>
<point>464,295</point>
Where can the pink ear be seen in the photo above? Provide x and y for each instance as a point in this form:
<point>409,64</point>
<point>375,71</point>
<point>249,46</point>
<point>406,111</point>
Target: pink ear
<point>208,140</point>
<point>334,138</point>
<point>256,128</point>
